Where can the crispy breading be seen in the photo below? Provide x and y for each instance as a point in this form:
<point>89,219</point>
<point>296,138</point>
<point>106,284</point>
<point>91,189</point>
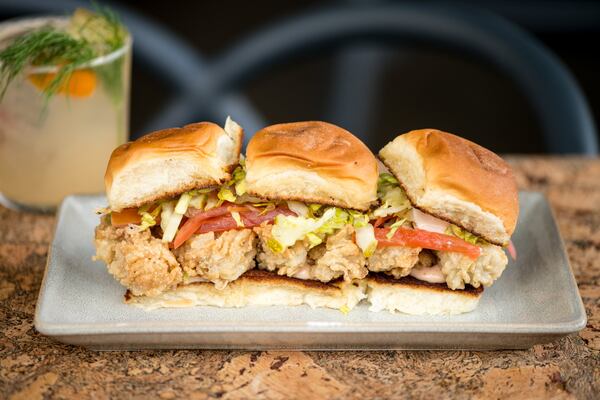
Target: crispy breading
<point>140,262</point>
<point>218,258</point>
<point>338,256</point>
<point>396,261</point>
<point>460,269</point>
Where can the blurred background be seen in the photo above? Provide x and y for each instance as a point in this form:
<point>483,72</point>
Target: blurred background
<point>373,80</point>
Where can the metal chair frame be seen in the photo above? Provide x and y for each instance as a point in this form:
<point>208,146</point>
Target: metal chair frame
<point>553,93</point>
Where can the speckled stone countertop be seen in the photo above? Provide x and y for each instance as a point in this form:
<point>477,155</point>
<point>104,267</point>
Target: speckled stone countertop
<point>35,367</point>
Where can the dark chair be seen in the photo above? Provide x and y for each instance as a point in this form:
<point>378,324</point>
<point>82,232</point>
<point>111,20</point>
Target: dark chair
<point>557,100</point>
<point>560,106</point>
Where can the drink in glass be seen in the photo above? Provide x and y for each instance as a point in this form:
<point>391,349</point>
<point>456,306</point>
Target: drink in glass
<point>55,145</point>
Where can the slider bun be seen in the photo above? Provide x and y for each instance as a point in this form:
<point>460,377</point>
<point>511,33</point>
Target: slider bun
<point>313,162</point>
<point>256,288</point>
<point>456,180</point>
<point>262,288</point>
<point>171,161</point>
<point>412,296</point>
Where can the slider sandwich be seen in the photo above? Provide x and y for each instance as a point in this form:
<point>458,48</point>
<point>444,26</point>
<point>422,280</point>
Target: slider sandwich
<point>160,190</point>
<point>188,220</point>
<point>328,177</point>
<point>307,218</point>
<point>447,208</point>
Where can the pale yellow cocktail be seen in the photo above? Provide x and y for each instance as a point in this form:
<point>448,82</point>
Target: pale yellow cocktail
<point>52,146</point>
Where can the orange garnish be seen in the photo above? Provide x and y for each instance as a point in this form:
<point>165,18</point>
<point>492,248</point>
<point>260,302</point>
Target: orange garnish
<point>81,83</point>
<point>125,217</point>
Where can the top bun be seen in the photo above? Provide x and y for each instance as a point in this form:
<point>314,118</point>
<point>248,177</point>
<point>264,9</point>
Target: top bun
<point>313,162</point>
<point>456,180</point>
<point>171,161</point>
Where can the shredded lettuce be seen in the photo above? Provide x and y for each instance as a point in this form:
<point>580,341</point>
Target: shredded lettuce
<point>237,218</point>
<point>386,178</point>
<point>365,239</point>
<point>314,208</point>
<point>225,194</point>
<point>239,179</point>
<point>358,219</point>
<point>212,201</point>
<point>394,227</point>
<point>298,207</point>
<point>275,246</point>
<point>313,240</point>
<point>240,187</point>
<point>197,192</point>
<point>235,187</point>
<point>172,226</point>
<point>392,197</point>
<point>172,214</point>
<point>464,235</point>
<point>148,218</point>
<point>183,203</point>
<point>168,208</point>
<point>287,230</point>
<point>198,201</point>
<point>147,221</point>
<point>264,204</point>
<point>339,219</point>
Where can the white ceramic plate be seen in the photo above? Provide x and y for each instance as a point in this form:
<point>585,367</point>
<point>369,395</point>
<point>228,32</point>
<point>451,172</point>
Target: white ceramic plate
<point>536,300</point>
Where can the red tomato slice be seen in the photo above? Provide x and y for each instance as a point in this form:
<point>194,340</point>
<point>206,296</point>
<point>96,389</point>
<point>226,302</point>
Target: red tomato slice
<point>190,226</point>
<point>219,224</point>
<point>381,220</point>
<point>427,240</point>
<point>220,219</point>
<point>125,217</point>
<point>255,218</point>
<point>250,220</point>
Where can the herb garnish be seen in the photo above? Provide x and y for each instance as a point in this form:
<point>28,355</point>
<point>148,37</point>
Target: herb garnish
<point>87,36</point>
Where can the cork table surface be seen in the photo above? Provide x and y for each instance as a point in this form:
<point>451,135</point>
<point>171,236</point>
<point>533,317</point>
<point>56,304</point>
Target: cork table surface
<point>35,367</point>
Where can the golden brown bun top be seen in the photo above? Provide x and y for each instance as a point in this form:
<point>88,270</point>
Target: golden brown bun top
<point>469,172</point>
<point>171,161</point>
<point>313,147</point>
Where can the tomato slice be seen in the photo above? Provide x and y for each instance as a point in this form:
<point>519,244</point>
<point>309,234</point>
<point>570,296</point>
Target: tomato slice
<point>220,219</point>
<point>255,218</point>
<point>190,226</point>
<point>250,219</point>
<point>427,240</point>
<point>219,224</point>
<point>125,217</point>
<point>381,220</point>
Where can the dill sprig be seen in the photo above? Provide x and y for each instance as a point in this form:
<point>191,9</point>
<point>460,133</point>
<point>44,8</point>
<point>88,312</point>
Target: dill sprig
<point>89,35</point>
<point>45,46</point>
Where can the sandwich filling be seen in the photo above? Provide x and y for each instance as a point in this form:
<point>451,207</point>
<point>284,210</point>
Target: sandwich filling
<point>216,234</point>
<point>410,242</point>
<point>317,243</point>
<point>202,235</point>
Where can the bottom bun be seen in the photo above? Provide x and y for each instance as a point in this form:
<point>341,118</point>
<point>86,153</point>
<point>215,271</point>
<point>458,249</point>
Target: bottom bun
<point>412,296</point>
<point>257,288</point>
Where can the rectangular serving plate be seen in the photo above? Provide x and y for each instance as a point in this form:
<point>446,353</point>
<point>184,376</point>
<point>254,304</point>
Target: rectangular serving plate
<point>535,301</point>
